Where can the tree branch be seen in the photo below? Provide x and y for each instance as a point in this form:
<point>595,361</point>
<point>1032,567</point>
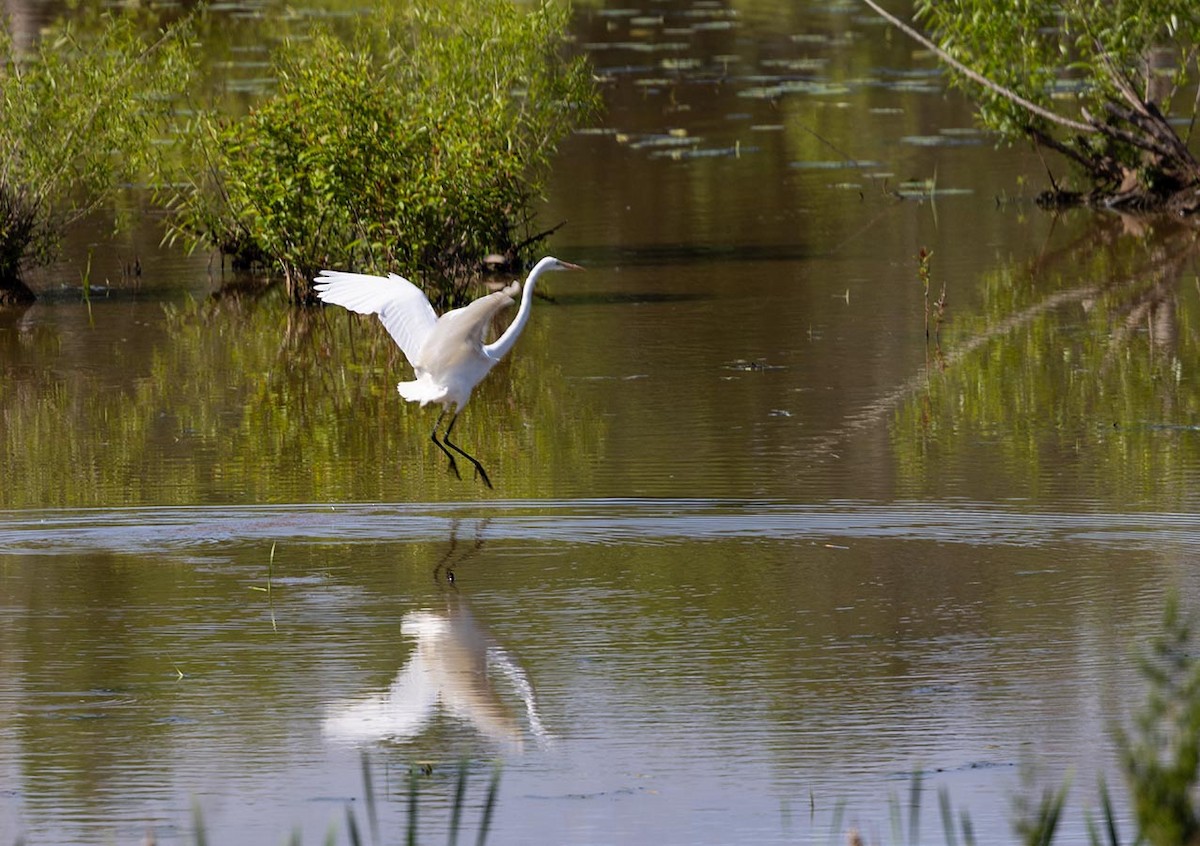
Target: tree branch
<point>980,79</point>
<point>1158,138</point>
<point>1095,165</point>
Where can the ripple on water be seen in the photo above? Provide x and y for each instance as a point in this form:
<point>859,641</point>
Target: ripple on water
<point>201,531</point>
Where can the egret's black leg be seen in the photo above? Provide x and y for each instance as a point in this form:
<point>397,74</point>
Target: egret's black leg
<point>433,437</point>
<point>478,467</point>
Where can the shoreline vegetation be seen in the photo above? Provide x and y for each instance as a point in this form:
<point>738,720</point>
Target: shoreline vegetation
<point>82,111</point>
<point>417,143</point>
<point>411,139</point>
<point>1098,84</point>
<point>416,139</point>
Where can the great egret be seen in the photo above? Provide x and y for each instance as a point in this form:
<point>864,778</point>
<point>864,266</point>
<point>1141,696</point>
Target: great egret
<point>447,353</point>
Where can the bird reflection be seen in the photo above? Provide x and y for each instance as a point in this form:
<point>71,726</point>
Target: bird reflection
<point>457,667</point>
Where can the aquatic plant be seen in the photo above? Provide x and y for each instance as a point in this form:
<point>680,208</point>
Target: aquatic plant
<point>1094,82</point>
<point>1160,758</point>
<point>415,144</point>
<point>354,833</point>
<point>1161,754</point>
<point>82,111</point>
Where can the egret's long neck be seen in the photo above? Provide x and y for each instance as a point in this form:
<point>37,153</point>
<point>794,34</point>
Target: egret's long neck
<point>500,347</point>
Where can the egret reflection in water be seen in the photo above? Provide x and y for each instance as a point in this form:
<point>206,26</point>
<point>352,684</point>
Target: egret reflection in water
<point>457,667</point>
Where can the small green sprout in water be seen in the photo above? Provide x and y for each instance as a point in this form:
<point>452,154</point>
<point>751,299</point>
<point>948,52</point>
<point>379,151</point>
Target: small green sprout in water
<point>925,276</point>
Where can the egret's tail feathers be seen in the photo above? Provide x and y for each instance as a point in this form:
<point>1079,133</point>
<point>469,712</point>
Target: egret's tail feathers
<point>423,391</point>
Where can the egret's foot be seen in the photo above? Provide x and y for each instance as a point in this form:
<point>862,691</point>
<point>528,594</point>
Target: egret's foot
<point>480,472</point>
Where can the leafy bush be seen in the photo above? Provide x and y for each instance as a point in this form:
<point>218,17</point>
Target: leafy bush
<point>1093,80</point>
<point>80,117</point>
<point>416,144</point>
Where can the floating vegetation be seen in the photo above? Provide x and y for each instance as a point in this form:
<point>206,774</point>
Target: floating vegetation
<point>833,164</point>
<point>913,86</point>
<point>704,153</point>
<point>962,131</point>
<point>711,12</point>
<point>941,140</point>
<point>636,46</point>
<point>796,65</point>
<point>680,64</point>
<point>752,365</point>
<point>654,82</point>
<point>817,88</point>
<point>920,189</point>
<point>656,141</point>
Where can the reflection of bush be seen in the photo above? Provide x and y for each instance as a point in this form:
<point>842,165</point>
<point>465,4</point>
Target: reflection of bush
<point>250,401</point>
<point>1072,369</point>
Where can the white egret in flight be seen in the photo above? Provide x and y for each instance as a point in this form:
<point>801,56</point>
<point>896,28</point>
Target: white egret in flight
<point>447,353</point>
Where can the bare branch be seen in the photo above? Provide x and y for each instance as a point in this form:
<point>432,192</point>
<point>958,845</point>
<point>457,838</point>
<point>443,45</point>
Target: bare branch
<point>1098,166</point>
<point>1122,81</point>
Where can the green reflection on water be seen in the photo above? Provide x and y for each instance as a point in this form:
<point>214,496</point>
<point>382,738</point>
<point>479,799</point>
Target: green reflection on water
<point>1075,374</point>
<point>250,400</point>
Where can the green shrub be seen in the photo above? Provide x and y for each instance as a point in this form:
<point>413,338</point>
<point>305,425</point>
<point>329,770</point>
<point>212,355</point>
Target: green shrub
<point>1093,80</point>
<point>81,113</point>
<point>416,144</point>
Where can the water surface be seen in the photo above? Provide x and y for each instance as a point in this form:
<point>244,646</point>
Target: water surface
<point>770,535</point>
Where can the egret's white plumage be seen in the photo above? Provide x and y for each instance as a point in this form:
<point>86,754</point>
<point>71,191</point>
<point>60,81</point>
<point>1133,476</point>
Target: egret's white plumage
<point>448,354</point>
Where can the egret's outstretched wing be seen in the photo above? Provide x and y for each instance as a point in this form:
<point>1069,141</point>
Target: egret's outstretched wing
<point>403,308</point>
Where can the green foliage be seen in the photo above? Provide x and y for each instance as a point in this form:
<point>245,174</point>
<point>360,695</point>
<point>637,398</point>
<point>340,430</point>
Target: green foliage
<point>81,113</point>
<point>1091,79</point>
<point>1017,46</point>
<point>1161,756</point>
<point>416,144</point>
